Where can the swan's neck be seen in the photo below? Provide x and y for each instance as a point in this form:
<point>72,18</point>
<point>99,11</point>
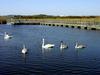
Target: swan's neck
<point>42,42</point>
<point>76,44</point>
<point>61,44</point>
<point>5,34</point>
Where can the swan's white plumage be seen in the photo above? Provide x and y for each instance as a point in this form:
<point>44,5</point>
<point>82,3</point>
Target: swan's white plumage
<point>24,50</point>
<point>7,36</point>
<point>46,46</point>
<point>63,46</point>
<point>78,46</point>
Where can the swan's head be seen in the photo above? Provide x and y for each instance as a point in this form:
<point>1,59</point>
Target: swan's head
<point>43,39</point>
<point>61,42</point>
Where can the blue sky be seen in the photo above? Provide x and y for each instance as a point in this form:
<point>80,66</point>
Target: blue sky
<point>50,7</point>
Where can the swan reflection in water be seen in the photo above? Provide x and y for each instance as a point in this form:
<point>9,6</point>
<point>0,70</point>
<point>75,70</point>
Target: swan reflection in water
<point>46,50</point>
<point>24,57</point>
<point>24,53</point>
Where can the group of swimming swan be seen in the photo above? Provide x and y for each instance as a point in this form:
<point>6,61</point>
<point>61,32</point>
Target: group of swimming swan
<point>62,45</point>
<point>45,46</point>
<point>7,37</point>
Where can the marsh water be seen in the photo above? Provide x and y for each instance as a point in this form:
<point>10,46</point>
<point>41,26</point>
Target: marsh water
<point>53,61</point>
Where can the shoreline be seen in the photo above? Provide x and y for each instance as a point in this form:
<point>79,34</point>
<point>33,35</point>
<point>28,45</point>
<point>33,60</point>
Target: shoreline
<point>80,22</point>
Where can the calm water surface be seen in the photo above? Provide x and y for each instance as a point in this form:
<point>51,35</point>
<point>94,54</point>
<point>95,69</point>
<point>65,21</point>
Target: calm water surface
<point>53,61</point>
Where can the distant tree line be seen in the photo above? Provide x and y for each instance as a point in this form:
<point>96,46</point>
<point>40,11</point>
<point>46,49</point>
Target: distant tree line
<point>43,16</point>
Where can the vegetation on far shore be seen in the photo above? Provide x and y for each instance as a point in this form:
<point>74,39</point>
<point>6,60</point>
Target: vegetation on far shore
<point>43,16</point>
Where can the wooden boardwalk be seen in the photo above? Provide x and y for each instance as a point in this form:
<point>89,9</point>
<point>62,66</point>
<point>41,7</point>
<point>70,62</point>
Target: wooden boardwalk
<point>88,24</point>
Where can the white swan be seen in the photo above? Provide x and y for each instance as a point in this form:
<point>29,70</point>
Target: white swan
<point>47,46</point>
<point>63,46</point>
<point>7,36</point>
<point>78,46</point>
<point>24,50</point>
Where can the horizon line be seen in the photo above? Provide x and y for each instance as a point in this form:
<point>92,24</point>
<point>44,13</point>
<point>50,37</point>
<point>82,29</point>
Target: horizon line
<point>43,14</point>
